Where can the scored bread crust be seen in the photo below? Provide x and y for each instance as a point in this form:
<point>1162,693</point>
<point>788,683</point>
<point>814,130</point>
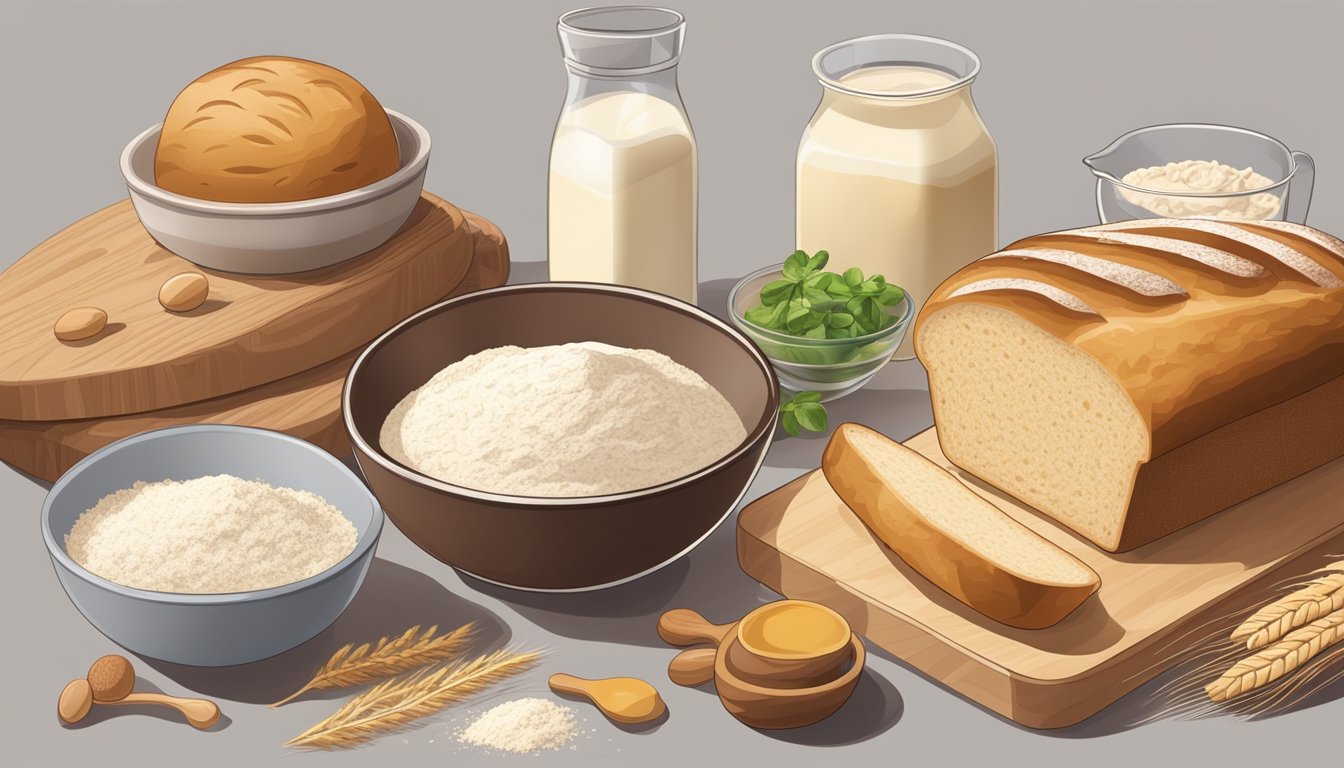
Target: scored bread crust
<point>1172,352</point>
<point>273,129</point>
<point>976,578</point>
<point>1234,378</point>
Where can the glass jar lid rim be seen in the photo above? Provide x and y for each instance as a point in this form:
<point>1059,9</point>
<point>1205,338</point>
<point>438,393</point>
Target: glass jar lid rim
<point>833,82</point>
<point>568,21</point>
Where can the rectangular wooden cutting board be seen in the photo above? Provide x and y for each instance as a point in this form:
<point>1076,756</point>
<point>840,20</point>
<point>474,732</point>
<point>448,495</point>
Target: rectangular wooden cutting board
<point>306,405</point>
<point>803,542</point>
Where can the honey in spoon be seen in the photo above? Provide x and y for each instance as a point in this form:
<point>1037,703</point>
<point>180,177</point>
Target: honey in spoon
<point>623,699</point>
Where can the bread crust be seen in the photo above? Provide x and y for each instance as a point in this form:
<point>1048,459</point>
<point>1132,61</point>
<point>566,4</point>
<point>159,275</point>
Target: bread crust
<point>971,576</point>
<point>1200,368</point>
<point>1232,346</point>
<point>273,129</point>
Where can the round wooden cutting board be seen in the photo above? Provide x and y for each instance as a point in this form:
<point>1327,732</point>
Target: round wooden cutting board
<point>306,405</point>
<point>252,330</point>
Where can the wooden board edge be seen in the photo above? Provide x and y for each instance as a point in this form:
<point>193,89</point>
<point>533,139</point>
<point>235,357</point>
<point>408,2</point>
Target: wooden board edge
<point>490,243</point>
<point>796,580</point>
<point>1029,701</point>
<point>21,404</point>
<point>29,449</point>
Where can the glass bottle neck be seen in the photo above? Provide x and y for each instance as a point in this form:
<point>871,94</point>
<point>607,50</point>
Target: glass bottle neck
<point>662,84</point>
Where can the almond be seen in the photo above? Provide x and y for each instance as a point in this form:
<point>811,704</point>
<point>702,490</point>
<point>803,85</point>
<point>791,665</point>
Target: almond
<point>80,323</point>
<point>184,292</point>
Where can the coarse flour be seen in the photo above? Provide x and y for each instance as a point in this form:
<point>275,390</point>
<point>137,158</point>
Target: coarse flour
<point>581,419</point>
<point>1201,177</point>
<point>210,535</point>
<point>522,726</point>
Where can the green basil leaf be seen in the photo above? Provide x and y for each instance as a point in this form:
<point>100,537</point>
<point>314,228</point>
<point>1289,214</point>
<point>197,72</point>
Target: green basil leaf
<point>839,319</point>
<point>874,312</point>
<point>816,296</point>
<point>803,323</point>
<point>776,291</point>
<point>839,288</point>
<point>891,296</point>
<point>777,316</point>
<point>818,280</point>
<point>855,306</point>
<point>789,421</point>
<point>795,267</point>
<point>807,397</point>
<point>812,416</point>
<point>818,260</point>
<point>762,316</point>
<point>796,312</point>
<point>819,332</point>
<point>853,277</point>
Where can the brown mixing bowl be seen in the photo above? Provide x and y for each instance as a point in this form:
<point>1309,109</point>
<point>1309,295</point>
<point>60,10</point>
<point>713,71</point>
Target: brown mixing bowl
<point>559,544</point>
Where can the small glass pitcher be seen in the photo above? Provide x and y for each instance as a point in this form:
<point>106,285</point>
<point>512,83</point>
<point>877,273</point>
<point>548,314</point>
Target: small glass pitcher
<point>1285,199</point>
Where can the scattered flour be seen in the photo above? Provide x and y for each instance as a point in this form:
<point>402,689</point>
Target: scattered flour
<point>580,419</point>
<point>522,725</point>
<point>209,535</point>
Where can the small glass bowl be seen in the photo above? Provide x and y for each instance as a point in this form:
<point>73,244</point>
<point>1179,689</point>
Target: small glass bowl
<point>1286,198</point>
<point>833,367</point>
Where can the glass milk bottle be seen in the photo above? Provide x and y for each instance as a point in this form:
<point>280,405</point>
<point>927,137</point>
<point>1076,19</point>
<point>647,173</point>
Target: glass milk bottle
<point>897,175</point>
<point>622,196</point>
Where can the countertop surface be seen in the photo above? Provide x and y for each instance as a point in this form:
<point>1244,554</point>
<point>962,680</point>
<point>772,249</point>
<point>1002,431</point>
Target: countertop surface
<point>1060,80</point>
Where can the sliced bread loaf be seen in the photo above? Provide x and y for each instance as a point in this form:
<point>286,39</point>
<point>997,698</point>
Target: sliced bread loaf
<point>955,539</point>
<point>1132,378</point>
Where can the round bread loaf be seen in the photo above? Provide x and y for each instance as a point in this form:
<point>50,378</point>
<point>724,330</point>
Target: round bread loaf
<point>272,129</point>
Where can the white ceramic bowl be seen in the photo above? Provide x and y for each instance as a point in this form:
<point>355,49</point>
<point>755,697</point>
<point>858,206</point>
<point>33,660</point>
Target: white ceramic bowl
<point>278,238</point>
<point>212,630</point>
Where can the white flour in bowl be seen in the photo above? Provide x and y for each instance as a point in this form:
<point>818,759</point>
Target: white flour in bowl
<point>582,419</point>
<point>1201,177</point>
<point>209,535</point>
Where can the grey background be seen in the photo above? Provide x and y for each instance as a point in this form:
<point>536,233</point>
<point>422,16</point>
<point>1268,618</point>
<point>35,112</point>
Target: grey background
<point>1060,80</point>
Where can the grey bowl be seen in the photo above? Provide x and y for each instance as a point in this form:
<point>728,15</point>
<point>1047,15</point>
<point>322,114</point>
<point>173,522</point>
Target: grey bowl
<point>218,629</point>
<point>278,238</point>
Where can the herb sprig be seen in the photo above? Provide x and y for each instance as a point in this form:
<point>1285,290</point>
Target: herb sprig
<point>809,302</point>
<point>802,411</point>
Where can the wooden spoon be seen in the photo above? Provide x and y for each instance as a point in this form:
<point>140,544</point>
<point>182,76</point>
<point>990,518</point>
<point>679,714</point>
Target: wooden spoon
<point>682,626</point>
<point>111,680</point>
<point>75,702</point>
<point>623,699</point>
<point>693,667</point>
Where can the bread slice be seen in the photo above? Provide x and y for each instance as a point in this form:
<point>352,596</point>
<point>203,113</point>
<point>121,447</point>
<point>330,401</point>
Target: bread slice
<point>954,538</point>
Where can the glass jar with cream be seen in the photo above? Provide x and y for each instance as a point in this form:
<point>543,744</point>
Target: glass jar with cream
<point>897,174</point>
<point>622,194</point>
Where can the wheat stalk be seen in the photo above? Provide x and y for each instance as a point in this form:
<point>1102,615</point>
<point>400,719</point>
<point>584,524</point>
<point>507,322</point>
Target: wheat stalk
<point>388,657</point>
<point>1279,659</point>
<point>1321,596</point>
<point>394,703</point>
